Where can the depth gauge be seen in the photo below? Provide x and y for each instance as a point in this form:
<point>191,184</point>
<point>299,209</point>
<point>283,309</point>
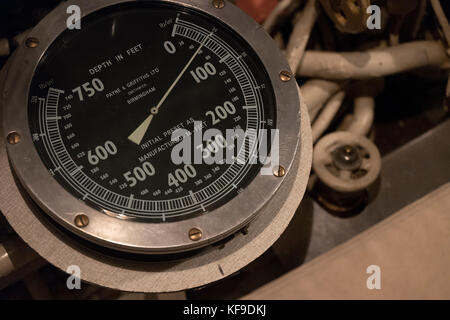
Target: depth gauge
<point>90,122</point>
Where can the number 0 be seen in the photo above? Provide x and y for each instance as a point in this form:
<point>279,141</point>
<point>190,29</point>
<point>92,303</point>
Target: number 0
<point>170,47</point>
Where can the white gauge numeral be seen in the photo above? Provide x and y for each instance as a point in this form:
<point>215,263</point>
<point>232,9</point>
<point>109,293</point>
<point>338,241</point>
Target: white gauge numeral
<point>170,47</point>
<point>90,88</point>
<point>139,174</point>
<point>181,176</point>
<point>222,112</point>
<point>203,73</point>
<point>213,147</point>
<point>101,153</point>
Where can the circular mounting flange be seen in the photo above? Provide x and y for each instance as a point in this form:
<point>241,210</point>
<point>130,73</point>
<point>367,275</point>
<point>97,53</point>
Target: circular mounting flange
<point>200,269</point>
<point>134,236</point>
<point>346,162</point>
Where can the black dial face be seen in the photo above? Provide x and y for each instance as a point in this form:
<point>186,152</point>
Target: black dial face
<point>107,101</point>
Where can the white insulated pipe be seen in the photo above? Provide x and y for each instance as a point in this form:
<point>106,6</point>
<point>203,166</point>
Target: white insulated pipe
<point>374,63</point>
<point>327,115</point>
<point>316,93</point>
<point>305,21</point>
<point>363,115</point>
<point>279,14</point>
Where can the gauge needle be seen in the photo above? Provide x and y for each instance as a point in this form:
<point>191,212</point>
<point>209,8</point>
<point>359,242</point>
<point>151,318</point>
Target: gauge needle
<point>139,133</point>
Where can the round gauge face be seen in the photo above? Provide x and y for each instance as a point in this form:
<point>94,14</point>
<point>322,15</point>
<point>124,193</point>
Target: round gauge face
<point>112,105</point>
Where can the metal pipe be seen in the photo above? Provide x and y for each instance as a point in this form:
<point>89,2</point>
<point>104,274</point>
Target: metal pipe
<point>442,19</point>
<point>374,63</point>
<point>317,92</point>
<point>279,14</point>
<point>300,34</point>
<point>327,115</point>
<point>363,116</point>
<point>278,37</point>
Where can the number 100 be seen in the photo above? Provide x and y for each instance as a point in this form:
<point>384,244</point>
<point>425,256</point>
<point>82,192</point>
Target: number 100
<point>203,73</point>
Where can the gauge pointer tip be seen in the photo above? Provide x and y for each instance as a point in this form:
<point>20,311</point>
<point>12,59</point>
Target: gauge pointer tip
<point>139,133</point>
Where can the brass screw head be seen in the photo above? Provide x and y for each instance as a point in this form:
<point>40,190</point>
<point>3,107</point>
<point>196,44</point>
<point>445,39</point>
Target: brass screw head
<point>279,172</point>
<point>285,76</point>
<point>32,42</point>
<point>81,220</point>
<point>195,234</point>
<point>13,138</point>
<point>218,4</point>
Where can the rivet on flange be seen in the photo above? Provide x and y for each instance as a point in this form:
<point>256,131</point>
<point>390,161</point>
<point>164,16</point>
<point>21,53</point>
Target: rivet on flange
<point>13,138</point>
<point>81,220</point>
<point>195,234</point>
<point>218,4</point>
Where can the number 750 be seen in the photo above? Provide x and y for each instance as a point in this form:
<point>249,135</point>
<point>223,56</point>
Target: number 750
<point>90,88</point>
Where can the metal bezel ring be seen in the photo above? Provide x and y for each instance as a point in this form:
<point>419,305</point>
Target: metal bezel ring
<point>129,235</point>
